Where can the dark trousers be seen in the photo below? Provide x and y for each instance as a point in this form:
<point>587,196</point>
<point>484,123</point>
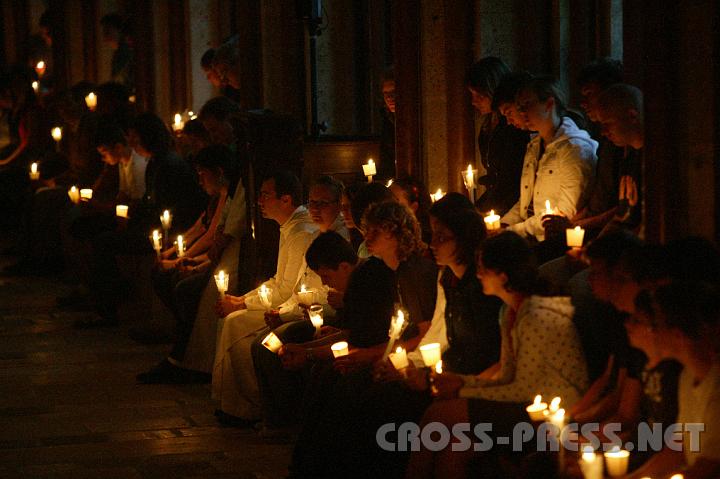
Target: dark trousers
<point>186,296</point>
<point>281,389</point>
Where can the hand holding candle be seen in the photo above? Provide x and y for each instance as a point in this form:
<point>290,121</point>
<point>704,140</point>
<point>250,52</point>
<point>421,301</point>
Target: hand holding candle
<point>265,295</point>
<point>492,221</point>
<point>340,349</point>
<point>272,342</point>
<point>222,281</point>
<point>575,237</point>
<point>430,354</point>
<point>306,296</point>
<point>398,323</point>
<point>34,172</point>
<point>369,170</point>
<point>399,358</point>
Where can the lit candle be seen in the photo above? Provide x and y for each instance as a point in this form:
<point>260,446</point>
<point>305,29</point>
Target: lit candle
<point>156,238</point>
<point>272,342</point>
<point>616,461</point>
<point>340,349</point>
<point>437,196</point>
<point>36,86</point>
<point>86,194</point>
<point>222,281</point>
<point>469,180</point>
<point>316,317</point>
<point>178,124</point>
<point>91,101</point>
<point>591,464</point>
<point>398,323</point>
<point>399,358</point>
<point>192,115</point>
<point>180,246</point>
<point>34,172</point>
<point>56,134</point>
<point>536,409</point>
<point>674,476</point>
<point>492,221</point>
<point>369,169</point>
<point>74,194</point>
<point>430,354</point>
<point>132,98</point>
<point>555,404</point>
<point>306,296</point>
<point>438,367</point>
<point>166,220</point>
<point>389,183</point>
<point>549,210</point>
<point>121,211</point>
<point>40,68</point>
<point>575,237</point>
<point>265,295</point>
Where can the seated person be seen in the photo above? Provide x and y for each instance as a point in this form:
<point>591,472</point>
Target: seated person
<point>559,161</point>
<point>234,382</point>
<point>527,366</point>
<point>412,193</point>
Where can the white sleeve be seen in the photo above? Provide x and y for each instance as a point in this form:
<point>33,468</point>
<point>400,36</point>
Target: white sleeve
<point>437,333</point>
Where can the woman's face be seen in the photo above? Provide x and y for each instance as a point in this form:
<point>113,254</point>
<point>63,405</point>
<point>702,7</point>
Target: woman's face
<point>493,283</point>
<point>443,244</point>
<point>209,180</point>
<point>347,215</point>
<point>381,243</point>
<point>534,113</point>
<point>480,101</point>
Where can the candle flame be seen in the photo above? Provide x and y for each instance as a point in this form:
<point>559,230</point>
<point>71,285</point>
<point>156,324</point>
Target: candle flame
<point>438,367</point>
<point>555,404</point>
<point>221,274</point>
<point>156,235</point>
<point>577,228</point>
<point>389,183</point>
<point>538,399</point>
<point>263,289</point>
<point>35,86</point>
<point>57,133</point>
<point>400,318</point>
<point>178,118</point>
<point>303,289</point>
<point>34,168</point>
<point>548,210</point>
<point>399,350</point>
<point>40,65</point>
<point>371,162</point>
<point>73,189</point>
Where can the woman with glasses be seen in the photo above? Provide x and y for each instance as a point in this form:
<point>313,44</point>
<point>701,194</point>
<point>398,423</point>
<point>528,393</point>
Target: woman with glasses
<point>559,161</point>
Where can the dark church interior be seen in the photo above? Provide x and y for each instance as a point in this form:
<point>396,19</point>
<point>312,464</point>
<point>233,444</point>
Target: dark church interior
<point>360,238</point>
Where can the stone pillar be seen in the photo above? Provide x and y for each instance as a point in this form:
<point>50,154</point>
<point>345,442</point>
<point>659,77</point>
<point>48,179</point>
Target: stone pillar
<point>203,35</point>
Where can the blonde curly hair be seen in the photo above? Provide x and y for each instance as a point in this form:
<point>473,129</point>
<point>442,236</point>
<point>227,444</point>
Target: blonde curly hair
<point>400,222</point>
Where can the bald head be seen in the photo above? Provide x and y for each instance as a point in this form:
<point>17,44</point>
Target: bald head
<point>620,112</point>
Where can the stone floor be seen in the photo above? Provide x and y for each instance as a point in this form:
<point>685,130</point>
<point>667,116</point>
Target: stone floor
<point>70,407</point>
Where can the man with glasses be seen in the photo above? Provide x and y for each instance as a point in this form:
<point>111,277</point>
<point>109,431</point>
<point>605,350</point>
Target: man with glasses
<point>324,206</point>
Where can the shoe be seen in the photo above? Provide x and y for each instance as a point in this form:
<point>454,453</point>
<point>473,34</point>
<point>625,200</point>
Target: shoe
<point>233,421</point>
<point>97,322</point>
<point>149,335</point>
<point>167,373</point>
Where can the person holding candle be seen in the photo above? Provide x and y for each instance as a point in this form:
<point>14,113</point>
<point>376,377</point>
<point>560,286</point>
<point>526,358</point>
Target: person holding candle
<point>243,317</point>
<point>528,364</point>
<point>559,161</point>
<point>501,145</point>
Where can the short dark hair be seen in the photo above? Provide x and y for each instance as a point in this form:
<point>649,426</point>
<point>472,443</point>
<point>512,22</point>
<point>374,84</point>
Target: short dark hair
<point>603,71</point>
<point>334,186</point>
<point>509,86</point>
<point>153,134</point>
<point>691,307</point>
<point>222,157</point>
<point>286,183</point>
<point>612,246</point>
<point>206,61</point>
<point>196,128</point>
<point>328,250</point>
<point>109,133</point>
<point>510,254</point>
<point>485,75</point>
<point>220,108</point>
<point>622,97</point>
<point>464,221</point>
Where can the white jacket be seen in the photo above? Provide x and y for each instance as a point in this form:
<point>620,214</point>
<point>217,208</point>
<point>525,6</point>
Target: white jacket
<point>562,176</point>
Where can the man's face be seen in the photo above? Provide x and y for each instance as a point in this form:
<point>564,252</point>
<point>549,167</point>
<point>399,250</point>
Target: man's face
<point>336,278</point>
<point>212,77</point>
<point>221,132</point>
<point>388,92</point>
<point>616,127</point>
<point>323,208</point>
<point>115,154</point>
<point>590,94</point>
<point>270,205</point>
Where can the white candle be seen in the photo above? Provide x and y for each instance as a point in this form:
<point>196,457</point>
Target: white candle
<point>36,86</point>
<point>178,124</point>
<point>306,296</point>
<point>438,367</point>
<point>156,238</point>
<point>674,476</point>
<point>389,183</point>
<point>34,172</point>
<point>430,354</point>
<point>616,461</point>
<point>437,196</point>
<point>56,133</point>
<point>369,170</point>
<point>575,237</point>
<point>222,281</point>
<point>397,326</point>
<point>121,211</point>
<point>180,246</point>
<point>74,194</point>
<point>91,101</point>
<point>40,68</point>
<point>399,358</point>
<point>591,464</point>
<point>272,342</point>
<point>265,295</point>
<point>316,318</point>
<point>340,349</point>
<point>469,180</point>
<point>166,220</point>
<point>536,409</point>
<point>86,194</point>
<point>492,221</point>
